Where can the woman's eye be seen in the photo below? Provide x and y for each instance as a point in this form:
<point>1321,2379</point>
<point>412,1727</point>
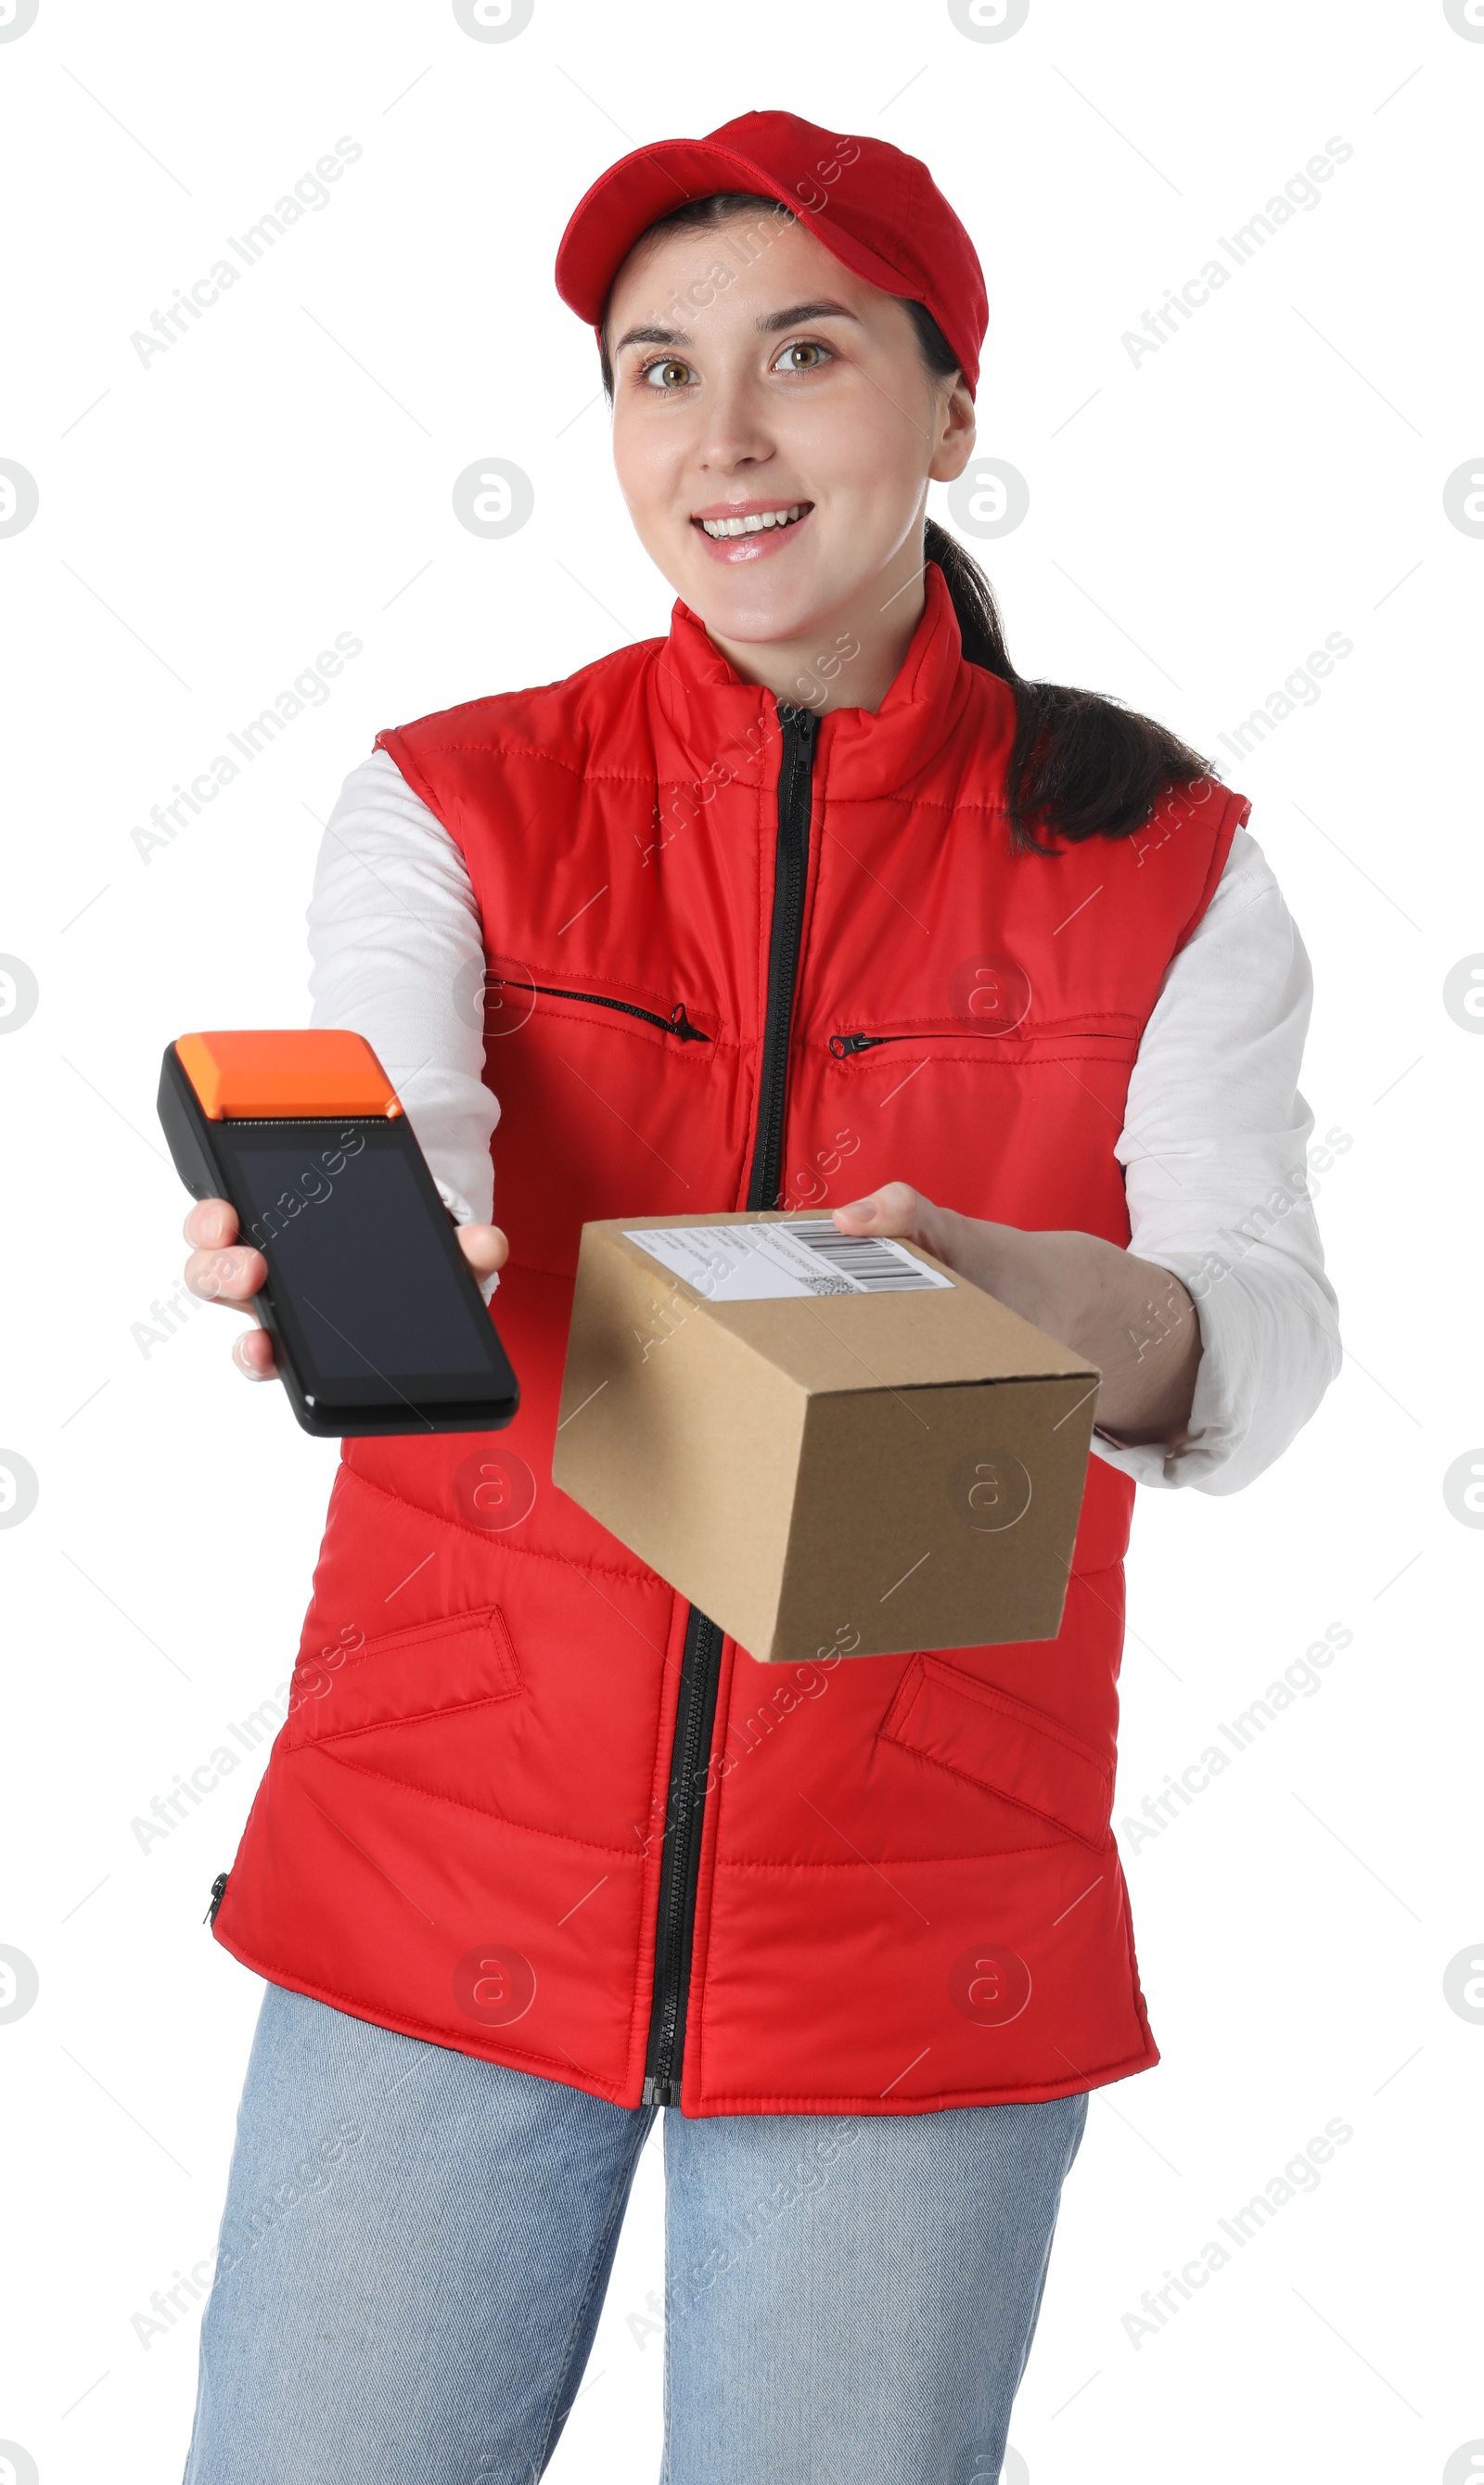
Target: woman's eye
<point>667,376</point>
<point>805,356</point>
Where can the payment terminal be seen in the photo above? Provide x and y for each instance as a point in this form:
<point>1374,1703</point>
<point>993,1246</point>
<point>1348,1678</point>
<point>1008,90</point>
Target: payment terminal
<point>376,1318</point>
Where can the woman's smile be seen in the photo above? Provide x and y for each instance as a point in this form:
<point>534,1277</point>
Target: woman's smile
<point>747,531</point>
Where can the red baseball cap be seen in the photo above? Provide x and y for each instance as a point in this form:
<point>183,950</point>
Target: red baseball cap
<point>878,211</point>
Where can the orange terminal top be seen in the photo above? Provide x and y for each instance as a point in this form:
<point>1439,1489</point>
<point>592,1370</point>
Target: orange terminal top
<point>291,1074</point>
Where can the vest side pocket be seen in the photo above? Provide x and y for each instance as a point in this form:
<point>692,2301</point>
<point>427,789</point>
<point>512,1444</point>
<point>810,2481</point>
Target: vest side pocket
<point>455,1661</point>
<point>1002,1744</point>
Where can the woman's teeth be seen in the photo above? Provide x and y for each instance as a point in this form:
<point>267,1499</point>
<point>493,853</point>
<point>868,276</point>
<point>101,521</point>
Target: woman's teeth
<point>756,525</point>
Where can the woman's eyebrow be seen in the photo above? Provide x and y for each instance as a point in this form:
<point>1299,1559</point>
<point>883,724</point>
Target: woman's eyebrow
<point>802,311</point>
<point>652,336</point>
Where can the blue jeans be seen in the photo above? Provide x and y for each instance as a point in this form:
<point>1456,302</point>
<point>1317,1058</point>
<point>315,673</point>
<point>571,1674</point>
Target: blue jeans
<point>416,2245</point>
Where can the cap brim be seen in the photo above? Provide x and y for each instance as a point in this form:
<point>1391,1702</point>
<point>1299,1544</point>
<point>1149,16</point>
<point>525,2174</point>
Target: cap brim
<point>640,188</point>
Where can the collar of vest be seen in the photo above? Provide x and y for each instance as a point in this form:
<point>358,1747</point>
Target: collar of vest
<point>723,723</point>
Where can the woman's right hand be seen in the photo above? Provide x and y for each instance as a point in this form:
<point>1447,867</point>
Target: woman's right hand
<point>221,1269</point>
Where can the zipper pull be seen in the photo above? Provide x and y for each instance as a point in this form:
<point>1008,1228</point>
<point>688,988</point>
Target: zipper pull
<point>842,1045</point>
<point>680,1025</point>
<point>218,1893</point>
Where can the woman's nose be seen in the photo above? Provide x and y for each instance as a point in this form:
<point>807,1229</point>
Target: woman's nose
<point>734,433</point>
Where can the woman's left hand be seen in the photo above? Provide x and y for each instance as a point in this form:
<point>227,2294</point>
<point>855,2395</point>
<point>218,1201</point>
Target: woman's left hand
<point>1130,1317</point>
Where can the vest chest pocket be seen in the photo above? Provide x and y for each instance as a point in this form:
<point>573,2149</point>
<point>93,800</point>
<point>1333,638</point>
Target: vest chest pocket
<point>1016,1047</point>
<point>1002,1744</point>
<point>609,1105</point>
<point>1018,1127</point>
<point>672,1022</point>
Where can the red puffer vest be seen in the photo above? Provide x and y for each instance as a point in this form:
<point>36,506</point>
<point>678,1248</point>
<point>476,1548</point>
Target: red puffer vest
<point>529,1804</point>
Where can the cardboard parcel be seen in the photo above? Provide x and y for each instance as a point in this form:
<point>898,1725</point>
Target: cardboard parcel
<point>828,1444</point>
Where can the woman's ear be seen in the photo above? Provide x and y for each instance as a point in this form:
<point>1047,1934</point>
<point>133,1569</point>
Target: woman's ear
<point>956,434</point>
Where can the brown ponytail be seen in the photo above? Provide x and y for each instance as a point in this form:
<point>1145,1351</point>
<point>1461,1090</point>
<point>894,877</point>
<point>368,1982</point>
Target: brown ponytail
<point>1080,765</point>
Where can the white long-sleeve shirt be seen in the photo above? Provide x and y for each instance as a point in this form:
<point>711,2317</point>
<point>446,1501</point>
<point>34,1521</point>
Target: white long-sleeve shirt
<point>1214,1144</point>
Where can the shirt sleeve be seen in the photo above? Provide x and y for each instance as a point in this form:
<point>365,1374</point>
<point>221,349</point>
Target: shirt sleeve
<point>1214,1149</point>
<point>397,954</point>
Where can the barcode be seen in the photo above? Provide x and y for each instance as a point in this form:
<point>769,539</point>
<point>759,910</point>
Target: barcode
<point>874,1266</point>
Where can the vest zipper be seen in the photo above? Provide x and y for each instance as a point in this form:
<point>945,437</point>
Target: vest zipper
<point>689,1764</point>
<point>702,1658</point>
<point>218,1894</point>
<point>795,790</point>
<point>676,1023</point>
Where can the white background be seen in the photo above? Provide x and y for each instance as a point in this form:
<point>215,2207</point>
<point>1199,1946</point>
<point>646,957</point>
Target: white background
<point>1197,523</point>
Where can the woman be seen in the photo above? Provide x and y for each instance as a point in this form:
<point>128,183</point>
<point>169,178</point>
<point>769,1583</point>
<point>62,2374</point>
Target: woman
<point>813,901</point>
